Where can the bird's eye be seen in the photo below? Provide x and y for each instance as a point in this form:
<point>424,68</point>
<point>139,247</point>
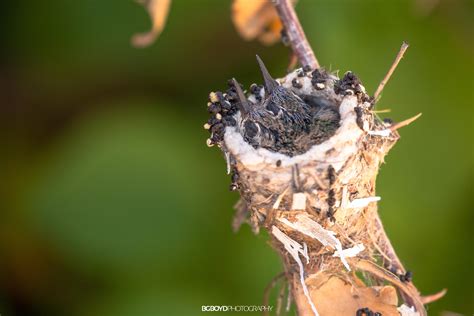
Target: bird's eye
<point>272,107</point>
<point>251,129</point>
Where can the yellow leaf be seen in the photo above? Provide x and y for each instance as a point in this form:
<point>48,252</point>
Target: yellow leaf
<point>158,11</point>
<point>257,19</point>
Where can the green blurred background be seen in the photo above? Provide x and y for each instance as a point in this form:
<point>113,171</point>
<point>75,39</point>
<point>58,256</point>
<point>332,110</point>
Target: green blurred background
<point>111,203</point>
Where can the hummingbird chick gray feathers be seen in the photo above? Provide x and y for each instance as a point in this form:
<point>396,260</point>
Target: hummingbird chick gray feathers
<point>282,122</point>
<point>252,128</point>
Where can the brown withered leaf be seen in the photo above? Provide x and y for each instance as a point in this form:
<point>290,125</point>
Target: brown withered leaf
<point>351,297</point>
<point>158,11</point>
<point>257,19</point>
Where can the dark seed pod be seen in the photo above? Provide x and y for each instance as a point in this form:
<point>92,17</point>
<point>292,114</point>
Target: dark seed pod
<point>406,277</point>
<point>226,107</point>
<point>214,108</point>
<point>296,83</point>
<point>216,138</point>
<point>350,82</point>
<point>212,120</point>
<point>220,96</point>
<point>230,96</point>
<point>232,110</point>
<point>319,76</point>
<point>366,98</point>
<point>234,177</point>
<point>307,68</point>
<point>229,121</point>
<point>217,128</point>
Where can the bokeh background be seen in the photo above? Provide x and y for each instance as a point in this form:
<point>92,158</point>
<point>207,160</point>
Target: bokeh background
<point>111,203</point>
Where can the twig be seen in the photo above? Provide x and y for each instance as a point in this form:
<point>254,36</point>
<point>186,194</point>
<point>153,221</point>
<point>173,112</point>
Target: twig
<point>395,263</point>
<point>281,295</point>
<point>268,289</point>
<point>434,297</point>
<point>295,34</point>
<point>381,111</point>
<point>391,70</point>
<point>386,246</point>
<point>288,298</point>
<point>401,124</point>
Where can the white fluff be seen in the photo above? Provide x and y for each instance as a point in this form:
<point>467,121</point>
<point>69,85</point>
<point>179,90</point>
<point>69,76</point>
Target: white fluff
<point>383,133</point>
<point>351,252</point>
<point>404,310</point>
<point>363,202</point>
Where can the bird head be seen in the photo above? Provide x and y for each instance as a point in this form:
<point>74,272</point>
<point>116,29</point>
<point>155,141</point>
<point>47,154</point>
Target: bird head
<point>249,114</point>
<point>282,102</point>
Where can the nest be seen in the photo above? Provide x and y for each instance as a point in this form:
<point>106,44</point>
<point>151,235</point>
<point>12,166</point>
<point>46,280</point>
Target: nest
<point>319,206</point>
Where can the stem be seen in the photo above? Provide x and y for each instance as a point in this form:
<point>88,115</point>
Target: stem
<point>386,245</point>
<point>270,286</point>
<point>294,31</point>
<point>391,70</point>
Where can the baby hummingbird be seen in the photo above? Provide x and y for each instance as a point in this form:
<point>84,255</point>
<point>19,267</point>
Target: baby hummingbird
<point>251,126</point>
<point>286,109</point>
<point>282,122</point>
<point>285,114</point>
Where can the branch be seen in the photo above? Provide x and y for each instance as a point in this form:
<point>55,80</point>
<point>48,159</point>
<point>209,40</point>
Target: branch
<point>294,31</point>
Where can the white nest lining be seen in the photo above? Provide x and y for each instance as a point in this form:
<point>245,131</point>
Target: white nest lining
<point>405,310</point>
<point>343,144</point>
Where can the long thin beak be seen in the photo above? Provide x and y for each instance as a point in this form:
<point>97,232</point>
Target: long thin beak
<point>269,82</point>
<point>243,104</point>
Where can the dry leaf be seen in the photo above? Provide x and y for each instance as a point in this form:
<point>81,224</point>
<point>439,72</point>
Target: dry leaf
<point>350,298</point>
<point>257,19</point>
<point>158,11</point>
